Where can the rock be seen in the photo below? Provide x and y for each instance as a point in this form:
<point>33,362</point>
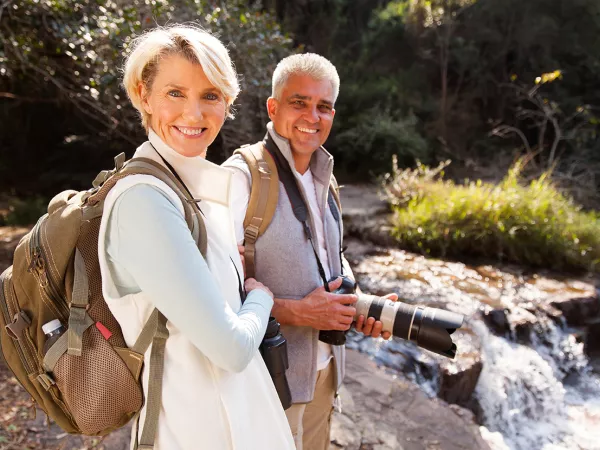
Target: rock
<point>497,320</point>
<point>366,216</point>
<point>592,338</point>
<point>522,323</point>
<point>578,305</point>
<point>458,377</point>
<point>382,412</point>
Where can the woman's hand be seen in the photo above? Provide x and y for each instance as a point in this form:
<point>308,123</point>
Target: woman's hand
<point>242,250</point>
<point>250,284</point>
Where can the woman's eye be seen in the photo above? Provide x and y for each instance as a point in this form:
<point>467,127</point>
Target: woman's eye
<point>175,93</point>
<point>212,96</point>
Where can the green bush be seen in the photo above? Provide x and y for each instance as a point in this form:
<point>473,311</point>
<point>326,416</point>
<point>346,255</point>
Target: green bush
<point>532,224</point>
<point>368,146</point>
<point>23,212</point>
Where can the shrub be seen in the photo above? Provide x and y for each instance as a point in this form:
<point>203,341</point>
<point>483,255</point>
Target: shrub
<point>376,136</point>
<point>23,212</point>
<point>532,224</point>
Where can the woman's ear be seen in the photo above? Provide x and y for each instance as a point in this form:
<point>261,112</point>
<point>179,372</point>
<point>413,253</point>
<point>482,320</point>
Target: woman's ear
<point>143,93</point>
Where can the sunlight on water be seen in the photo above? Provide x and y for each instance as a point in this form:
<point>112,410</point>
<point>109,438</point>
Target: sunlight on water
<point>521,398</point>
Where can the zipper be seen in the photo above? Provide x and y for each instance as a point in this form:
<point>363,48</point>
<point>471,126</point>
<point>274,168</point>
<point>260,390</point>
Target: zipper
<point>39,266</point>
<point>19,346</point>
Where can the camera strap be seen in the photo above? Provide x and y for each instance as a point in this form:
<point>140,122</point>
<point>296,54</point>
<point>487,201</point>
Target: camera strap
<point>299,207</point>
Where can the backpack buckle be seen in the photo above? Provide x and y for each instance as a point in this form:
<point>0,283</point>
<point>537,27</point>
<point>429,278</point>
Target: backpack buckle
<point>251,233</point>
<point>20,322</point>
<point>45,380</point>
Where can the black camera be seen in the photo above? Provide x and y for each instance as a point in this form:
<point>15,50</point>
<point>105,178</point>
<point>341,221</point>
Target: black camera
<point>273,349</point>
<point>429,328</point>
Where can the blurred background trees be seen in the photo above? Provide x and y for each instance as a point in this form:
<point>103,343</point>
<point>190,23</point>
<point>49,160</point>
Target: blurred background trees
<point>480,82</point>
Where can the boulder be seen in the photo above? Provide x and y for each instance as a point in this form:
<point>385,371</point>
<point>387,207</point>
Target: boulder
<point>458,377</point>
<point>578,305</point>
<point>380,411</point>
<point>592,338</point>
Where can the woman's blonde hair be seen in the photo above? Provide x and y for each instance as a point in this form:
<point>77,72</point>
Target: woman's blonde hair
<point>191,42</point>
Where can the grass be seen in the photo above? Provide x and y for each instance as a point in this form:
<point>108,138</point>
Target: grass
<point>532,224</point>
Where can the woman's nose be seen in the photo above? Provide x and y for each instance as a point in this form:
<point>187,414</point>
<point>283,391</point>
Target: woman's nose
<point>194,110</point>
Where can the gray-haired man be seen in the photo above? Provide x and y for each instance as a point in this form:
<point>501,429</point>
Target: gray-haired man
<point>301,109</point>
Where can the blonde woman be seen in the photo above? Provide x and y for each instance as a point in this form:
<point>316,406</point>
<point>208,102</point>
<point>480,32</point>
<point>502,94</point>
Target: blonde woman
<point>216,392</point>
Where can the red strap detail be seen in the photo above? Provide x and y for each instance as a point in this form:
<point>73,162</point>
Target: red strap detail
<point>105,331</point>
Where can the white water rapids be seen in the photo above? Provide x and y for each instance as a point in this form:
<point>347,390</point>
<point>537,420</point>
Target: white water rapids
<point>542,395</point>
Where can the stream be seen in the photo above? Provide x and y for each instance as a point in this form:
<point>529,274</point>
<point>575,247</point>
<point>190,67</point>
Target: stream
<point>537,388</point>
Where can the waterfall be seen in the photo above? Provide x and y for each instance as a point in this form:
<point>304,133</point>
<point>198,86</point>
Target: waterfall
<point>523,398</point>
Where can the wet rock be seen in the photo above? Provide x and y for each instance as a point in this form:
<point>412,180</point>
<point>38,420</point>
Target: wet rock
<point>592,339</point>
<point>382,412</point>
<point>458,377</point>
<point>578,305</point>
<point>497,320</point>
<point>522,323</point>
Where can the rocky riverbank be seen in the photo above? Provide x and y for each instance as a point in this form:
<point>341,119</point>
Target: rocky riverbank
<point>527,353</point>
<point>523,378</point>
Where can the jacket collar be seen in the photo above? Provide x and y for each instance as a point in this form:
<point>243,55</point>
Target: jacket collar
<point>205,180</point>
<point>321,162</point>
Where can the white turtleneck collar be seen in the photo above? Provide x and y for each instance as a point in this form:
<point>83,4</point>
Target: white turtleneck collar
<point>205,180</point>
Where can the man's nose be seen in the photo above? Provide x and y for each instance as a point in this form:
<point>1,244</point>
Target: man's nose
<point>312,115</point>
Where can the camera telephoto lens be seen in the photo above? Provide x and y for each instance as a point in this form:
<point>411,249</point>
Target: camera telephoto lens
<point>429,328</point>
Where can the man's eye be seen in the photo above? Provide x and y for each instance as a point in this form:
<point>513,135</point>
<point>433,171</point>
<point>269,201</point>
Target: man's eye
<point>325,108</point>
<point>298,103</point>
<point>175,93</point>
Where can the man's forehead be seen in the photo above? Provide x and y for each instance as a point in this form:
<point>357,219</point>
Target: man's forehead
<point>305,87</point>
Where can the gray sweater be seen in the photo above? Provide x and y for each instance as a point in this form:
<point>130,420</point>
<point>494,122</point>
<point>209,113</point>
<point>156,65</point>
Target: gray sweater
<point>285,262</point>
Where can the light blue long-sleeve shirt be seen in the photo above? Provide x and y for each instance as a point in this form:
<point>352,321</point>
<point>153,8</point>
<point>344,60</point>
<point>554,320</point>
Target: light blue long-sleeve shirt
<point>150,249</point>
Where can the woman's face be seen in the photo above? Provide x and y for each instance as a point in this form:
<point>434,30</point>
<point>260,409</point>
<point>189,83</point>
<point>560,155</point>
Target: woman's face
<point>186,110</point>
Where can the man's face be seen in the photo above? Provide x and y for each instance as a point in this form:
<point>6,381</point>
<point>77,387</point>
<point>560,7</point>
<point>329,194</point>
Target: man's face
<point>304,113</point>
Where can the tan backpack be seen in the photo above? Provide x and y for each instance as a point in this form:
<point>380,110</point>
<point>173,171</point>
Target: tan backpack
<point>264,195</point>
<point>89,380</point>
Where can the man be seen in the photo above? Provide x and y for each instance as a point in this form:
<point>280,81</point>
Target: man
<point>301,109</point>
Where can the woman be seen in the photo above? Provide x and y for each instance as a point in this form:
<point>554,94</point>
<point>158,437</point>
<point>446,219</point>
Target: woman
<point>216,393</point>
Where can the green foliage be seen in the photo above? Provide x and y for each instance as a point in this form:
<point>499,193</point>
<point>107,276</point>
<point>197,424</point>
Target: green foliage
<point>23,212</point>
<point>370,140</point>
<point>531,224</point>
<point>60,79</point>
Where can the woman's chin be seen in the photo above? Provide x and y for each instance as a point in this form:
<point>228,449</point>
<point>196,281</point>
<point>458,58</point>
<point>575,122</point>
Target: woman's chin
<point>190,146</point>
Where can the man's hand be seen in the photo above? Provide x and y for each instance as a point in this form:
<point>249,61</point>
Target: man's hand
<point>373,327</point>
<point>320,309</point>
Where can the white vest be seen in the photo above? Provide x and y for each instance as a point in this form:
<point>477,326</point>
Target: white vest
<point>203,406</point>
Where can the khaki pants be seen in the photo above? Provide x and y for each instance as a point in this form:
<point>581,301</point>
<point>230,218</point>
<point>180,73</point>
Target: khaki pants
<point>311,422</point>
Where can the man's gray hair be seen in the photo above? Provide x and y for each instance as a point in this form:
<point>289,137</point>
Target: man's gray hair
<point>311,64</point>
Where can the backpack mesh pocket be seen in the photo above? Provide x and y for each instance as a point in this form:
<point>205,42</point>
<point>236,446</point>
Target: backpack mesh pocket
<point>97,386</point>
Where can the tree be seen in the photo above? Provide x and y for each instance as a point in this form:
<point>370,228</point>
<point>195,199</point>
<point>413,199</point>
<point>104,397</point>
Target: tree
<point>60,81</point>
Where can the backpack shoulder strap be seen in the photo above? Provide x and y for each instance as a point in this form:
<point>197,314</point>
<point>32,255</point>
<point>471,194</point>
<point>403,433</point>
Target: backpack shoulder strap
<point>334,188</point>
<point>146,166</point>
<point>264,195</point>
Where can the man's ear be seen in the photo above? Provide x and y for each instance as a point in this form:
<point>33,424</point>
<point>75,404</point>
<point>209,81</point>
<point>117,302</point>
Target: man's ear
<point>272,107</point>
<point>143,93</point>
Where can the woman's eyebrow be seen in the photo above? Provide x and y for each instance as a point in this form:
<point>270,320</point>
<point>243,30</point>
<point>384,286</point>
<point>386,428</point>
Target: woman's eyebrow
<point>177,86</point>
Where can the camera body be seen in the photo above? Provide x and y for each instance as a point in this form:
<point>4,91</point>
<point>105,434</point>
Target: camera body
<point>429,328</point>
